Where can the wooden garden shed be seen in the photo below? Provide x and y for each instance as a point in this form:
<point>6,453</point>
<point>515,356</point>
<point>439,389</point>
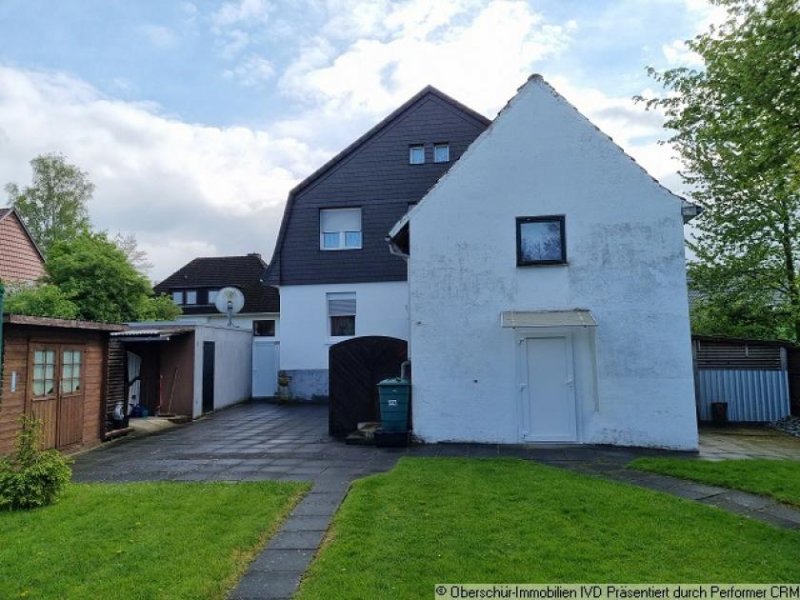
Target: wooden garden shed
<point>57,371</point>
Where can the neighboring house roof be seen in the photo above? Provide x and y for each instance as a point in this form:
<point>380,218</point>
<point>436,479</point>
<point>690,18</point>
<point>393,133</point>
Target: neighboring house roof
<point>21,260</point>
<point>379,177</point>
<point>398,236</point>
<point>243,272</point>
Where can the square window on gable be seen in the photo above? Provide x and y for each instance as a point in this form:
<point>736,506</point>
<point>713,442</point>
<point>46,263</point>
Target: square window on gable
<point>441,153</point>
<point>191,296</point>
<point>177,297</point>
<point>340,229</point>
<point>416,154</point>
<point>541,241</point>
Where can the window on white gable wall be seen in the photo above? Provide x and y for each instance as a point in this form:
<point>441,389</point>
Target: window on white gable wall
<point>541,241</point>
<point>340,229</point>
<point>341,313</point>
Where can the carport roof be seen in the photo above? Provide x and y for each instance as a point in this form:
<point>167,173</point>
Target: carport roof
<point>151,335</point>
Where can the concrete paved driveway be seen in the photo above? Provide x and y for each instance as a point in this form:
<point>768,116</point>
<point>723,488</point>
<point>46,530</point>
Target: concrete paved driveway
<point>734,442</point>
<point>251,441</point>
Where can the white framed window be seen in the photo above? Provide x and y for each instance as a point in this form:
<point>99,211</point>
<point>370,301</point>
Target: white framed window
<point>340,229</point>
<point>341,314</point>
<point>191,296</point>
<point>416,154</point>
<point>441,153</point>
<point>212,296</point>
<point>177,297</point>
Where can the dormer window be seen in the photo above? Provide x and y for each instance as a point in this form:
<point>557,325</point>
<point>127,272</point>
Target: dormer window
<point>441,153</point>
<point>416,154</point>
<point>340,229</point>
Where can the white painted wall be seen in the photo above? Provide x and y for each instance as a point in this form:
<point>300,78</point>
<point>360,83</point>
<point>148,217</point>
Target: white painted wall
<point>381,309</point>
<point>232,365</point>
<point>242,320</point>
<point>626,264</point>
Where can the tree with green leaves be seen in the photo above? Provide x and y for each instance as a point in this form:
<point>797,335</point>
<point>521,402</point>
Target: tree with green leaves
<point>54,206</point>
<point>736,124</point>
<point>95,274</point>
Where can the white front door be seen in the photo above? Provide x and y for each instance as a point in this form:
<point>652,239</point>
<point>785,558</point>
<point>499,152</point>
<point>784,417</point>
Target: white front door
<point>265,368</point>
<point>548,394</point>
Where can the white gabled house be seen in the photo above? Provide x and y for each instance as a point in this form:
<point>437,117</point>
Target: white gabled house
<point>547,290</point>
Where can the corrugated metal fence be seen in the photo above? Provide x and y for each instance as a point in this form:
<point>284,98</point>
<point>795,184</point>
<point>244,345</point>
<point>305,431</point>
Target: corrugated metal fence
<point>752,396</point>
<point>750,376</point>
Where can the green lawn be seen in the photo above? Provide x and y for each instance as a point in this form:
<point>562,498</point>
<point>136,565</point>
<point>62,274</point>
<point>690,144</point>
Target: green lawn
<point>779,479</point>
<point>140,540</point>
<point>480,521</point>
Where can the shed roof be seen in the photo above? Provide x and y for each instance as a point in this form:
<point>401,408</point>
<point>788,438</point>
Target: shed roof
<point>60,323</point>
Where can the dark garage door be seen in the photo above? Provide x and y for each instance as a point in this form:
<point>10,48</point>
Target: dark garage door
<point>355,368</point>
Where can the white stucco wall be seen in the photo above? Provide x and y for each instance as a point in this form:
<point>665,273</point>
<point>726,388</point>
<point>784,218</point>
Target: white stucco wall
<point>626,265</point>
<point>233,364</point>
<point>381,309</point>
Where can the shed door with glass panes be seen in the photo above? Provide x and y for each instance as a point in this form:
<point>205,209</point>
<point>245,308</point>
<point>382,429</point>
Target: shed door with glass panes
<point>55,392</point>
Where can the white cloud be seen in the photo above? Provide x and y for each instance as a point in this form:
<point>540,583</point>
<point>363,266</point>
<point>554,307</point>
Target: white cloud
<point>678,53</point>
<point>251,72</point>
<point>159,36</point>
<point>704,15</point>
<point>634,129</point>
<point>241,11</point>
<point>179,187</point>
<point>478,52</point>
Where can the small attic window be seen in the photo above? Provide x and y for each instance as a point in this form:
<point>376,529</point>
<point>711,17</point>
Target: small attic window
<point>441,153</point>
<point>416,154</point>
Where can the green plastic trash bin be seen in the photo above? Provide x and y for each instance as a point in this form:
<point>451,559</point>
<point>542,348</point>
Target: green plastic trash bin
<point>394,395</point>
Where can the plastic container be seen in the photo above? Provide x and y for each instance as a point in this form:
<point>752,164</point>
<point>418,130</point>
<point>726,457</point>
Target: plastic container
<point>394,399</point>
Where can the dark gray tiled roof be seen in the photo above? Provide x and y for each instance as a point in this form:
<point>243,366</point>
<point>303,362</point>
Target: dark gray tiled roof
<point>243,272</point>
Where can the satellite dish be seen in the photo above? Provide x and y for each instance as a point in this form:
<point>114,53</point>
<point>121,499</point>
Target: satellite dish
<point>230,301</point>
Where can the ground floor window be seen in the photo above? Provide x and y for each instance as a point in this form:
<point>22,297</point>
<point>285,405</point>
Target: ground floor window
<point>264,328</point>
<point>342,314</point>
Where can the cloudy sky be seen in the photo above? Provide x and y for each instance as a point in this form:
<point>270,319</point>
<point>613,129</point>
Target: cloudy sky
<point>195,118</point>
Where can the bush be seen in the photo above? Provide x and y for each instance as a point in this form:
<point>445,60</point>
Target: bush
<point>31,477</point>
<point>45,300</point>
